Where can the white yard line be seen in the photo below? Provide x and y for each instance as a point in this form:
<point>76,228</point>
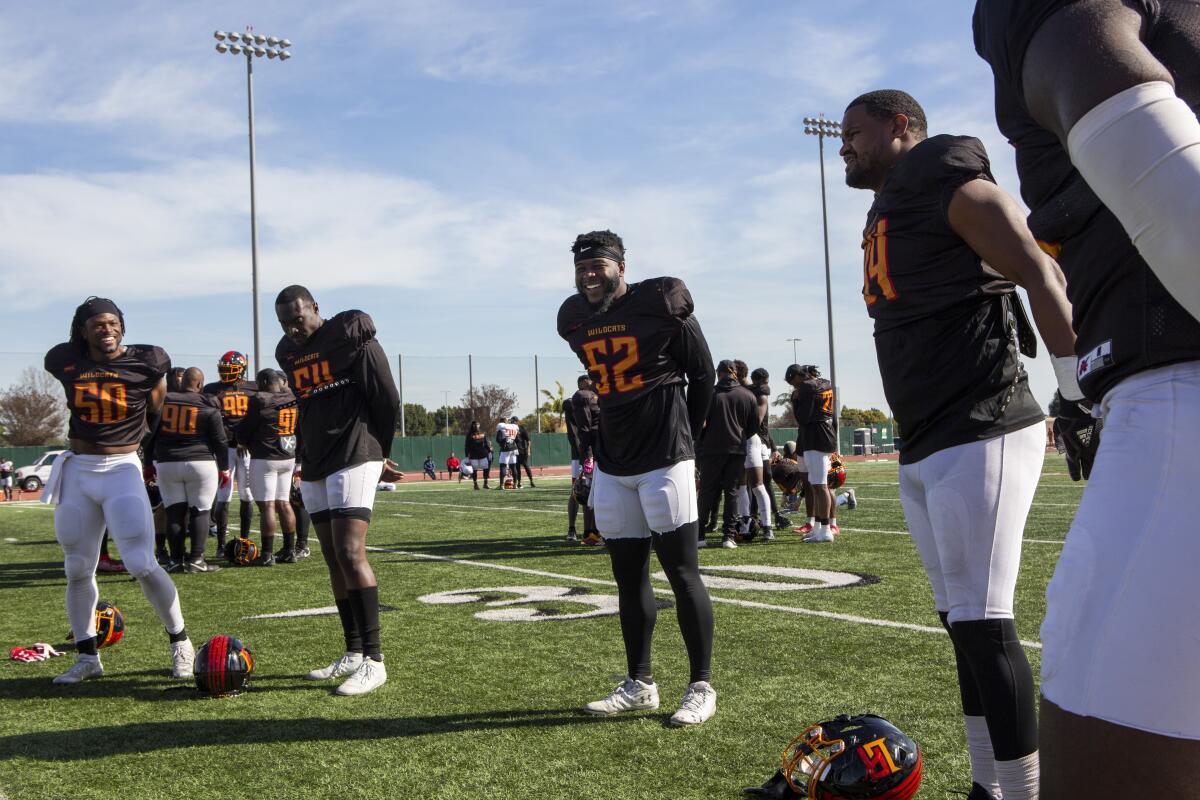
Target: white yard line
<point>808,612</point>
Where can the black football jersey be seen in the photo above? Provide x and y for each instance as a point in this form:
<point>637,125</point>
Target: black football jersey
<point>764,426</point>
<point>812,406</point>
<point>585,413</point>
<point>1124,320</point>
<point>268,430</point>
<point>640,354</point>
<point>945,326</point>
<point>233,399</point>
<point>107,400</point>
<point>344,389</point>
<point>477,446</point>
<point>190,429</point>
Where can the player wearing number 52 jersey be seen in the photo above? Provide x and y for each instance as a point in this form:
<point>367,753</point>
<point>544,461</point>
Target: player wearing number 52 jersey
<point>191,456</point>
<point>111,391</point>
<point>348,405</point>
<point>653,377</point>
<point>232,394</point>
<point>268,432</point>
<point>943,247</point>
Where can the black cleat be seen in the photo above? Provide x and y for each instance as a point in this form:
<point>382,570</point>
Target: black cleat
<point>285,557</point>
<point>264,560</point>
<point>979,793</point>
<point>173,567</point>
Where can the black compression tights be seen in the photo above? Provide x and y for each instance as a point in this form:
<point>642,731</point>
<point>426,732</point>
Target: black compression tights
<point>631,568</point>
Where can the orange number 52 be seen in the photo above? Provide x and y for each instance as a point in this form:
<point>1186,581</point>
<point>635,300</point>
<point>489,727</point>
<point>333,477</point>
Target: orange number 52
<point>100,402</point>
<point>597,353</point>
<point>875,265</point>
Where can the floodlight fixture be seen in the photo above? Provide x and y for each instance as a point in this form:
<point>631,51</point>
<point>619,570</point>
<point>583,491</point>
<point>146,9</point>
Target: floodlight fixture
<point>820,127</point>
<point>284,55</point>
<point>260,39</point>
<point>219,35</point>
<point>222,47</point>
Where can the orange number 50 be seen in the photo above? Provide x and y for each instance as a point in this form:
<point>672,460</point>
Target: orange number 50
<point>100,402</point>
<point>875,265</point>
<point>597,353</point>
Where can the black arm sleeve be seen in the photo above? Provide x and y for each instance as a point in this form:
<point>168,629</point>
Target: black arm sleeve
<point>217,443</point>
<point>148,441</point>
<point>691,350</point>
<point>383,400</point>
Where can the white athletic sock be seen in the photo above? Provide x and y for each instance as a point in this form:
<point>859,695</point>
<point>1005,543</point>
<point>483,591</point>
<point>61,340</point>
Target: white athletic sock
<point>743,502</point>
<point>764,505</point>
<point>983,760</point>
<point>812,521</point>
<point>1019,777</point>
<point>160,591</point>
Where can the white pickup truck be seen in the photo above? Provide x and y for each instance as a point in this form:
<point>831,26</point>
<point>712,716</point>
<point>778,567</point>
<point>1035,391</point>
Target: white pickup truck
<point>34,476</point>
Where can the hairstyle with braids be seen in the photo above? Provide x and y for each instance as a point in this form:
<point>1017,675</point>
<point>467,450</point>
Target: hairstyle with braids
<point>85,311</point>
<point>605,238</point>
<point>887,103</point>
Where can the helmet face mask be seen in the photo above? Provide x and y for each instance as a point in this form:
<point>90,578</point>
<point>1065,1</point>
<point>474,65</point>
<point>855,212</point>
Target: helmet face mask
<point>232,367</point>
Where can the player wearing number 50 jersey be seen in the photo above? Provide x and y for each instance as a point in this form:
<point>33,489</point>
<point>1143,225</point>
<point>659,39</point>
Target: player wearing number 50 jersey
<point>111,390</point>
<point>232,394</point>
<point>348,405</point>
<point>943,247</point>
<point>653,377</point>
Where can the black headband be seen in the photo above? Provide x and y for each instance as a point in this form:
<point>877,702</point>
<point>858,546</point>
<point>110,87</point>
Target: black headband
<point>598,251</point>
<point>97,305</point>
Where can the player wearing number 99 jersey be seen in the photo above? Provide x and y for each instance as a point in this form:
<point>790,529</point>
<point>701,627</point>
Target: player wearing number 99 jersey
<point>653,376</point>
<point>111,391</point>
<point>232,394</point>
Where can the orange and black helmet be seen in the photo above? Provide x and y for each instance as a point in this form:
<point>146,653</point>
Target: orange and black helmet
<point>232,367</point>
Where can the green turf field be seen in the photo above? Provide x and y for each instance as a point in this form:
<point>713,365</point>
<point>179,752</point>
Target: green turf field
<point>482,697</point>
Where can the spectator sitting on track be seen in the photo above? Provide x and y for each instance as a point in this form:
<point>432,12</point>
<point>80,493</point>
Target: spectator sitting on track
<point>430,468</point>
<point>452,465</point>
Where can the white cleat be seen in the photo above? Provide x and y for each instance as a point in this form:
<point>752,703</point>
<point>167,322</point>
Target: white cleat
<point>83,668</point>
<point>369,676</point>
<point>699,703</point>
<point>342,666</point>
<point>821,533</point>
<point>728,543</point>
<point>630,695</point>
<point>768,535</point>
<point>183,659</point>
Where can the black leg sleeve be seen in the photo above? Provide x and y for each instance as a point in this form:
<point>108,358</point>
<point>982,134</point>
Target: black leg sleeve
<point>1005,684</point>
<point>302,523</point>
<point>680,559</point>
<point>350,632</point>
<point>631,569</point>
<point>220,515</point>
<point>245,517</point>
<point>968,690</point>
<point>176,529</point>
<point>365,605</point>
<point>198,530</point>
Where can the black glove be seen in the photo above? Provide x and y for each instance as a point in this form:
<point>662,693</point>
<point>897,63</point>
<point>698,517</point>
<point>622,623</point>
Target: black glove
<point>777,788</point>
<point>1077,436</point>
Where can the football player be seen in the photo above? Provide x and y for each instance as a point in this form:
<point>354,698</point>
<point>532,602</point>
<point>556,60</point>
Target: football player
<point>1099,99</point>
<point>232,394</point>
<point>524,453</point>
<point>812,405</point>
<point>506,438</point>
<point>347,403</point>
<point>582,412</point>
<point>112,392</point>
<point>721,448</point>
<point>757,477</point>
<point>478,452</point>
<point>191,458</point>
<point>640,343</point>
<point>268,433</point>
<point>943,247</point>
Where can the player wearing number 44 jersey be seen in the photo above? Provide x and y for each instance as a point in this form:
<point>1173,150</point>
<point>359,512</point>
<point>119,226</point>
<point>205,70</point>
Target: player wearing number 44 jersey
<point>943,247</point>
<point>653,376</point>
<point>347,406</point>
<point>112,392</point>
<point>232,394</point>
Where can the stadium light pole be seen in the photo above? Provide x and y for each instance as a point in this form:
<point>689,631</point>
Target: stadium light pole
<point>252,45</point>
<point>794,341</point>
<point>446,406</point>
<point>821,127</point>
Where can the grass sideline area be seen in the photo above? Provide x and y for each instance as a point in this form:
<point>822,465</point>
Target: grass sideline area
<point>482,697</point>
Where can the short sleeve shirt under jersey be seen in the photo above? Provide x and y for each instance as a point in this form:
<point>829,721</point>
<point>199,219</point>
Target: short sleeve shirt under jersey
<point>107,400</point>
<point>945,331</point>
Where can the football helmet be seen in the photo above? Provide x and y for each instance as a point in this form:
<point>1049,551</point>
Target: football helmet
<point>837,472</point>
<point>110,625</point>
<point>223,666</point>
<point>232,367</point>
<point>240,551</point>
<point>581,488</point>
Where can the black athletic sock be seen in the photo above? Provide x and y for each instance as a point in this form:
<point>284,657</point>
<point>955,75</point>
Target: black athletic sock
<point>160,542</point>
<point>1005,684</point>
<point>635,596</point>
<point>177,637</point>
<point>487,474</point>
<point>302,523</point>
<point>349,627</point>
<point>176,529</point>
<point>198,529</point>
<point>220,515</point>
<point>86,647</point>
<point>679,557</point>
<point>503,468</point>
<point>104,544</point>
<point>245,518</point>
<point>289,541</point>
<point>365,605</point>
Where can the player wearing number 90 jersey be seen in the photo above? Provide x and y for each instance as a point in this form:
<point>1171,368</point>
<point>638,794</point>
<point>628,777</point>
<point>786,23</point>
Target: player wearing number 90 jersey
<point>642,347</point>
<point>111,389</point>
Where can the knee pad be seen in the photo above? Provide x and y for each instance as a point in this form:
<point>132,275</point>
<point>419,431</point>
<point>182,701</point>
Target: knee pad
<point>78,567</point>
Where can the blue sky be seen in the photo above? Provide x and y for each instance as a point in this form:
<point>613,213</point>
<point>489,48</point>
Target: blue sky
<point>431,163</point>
